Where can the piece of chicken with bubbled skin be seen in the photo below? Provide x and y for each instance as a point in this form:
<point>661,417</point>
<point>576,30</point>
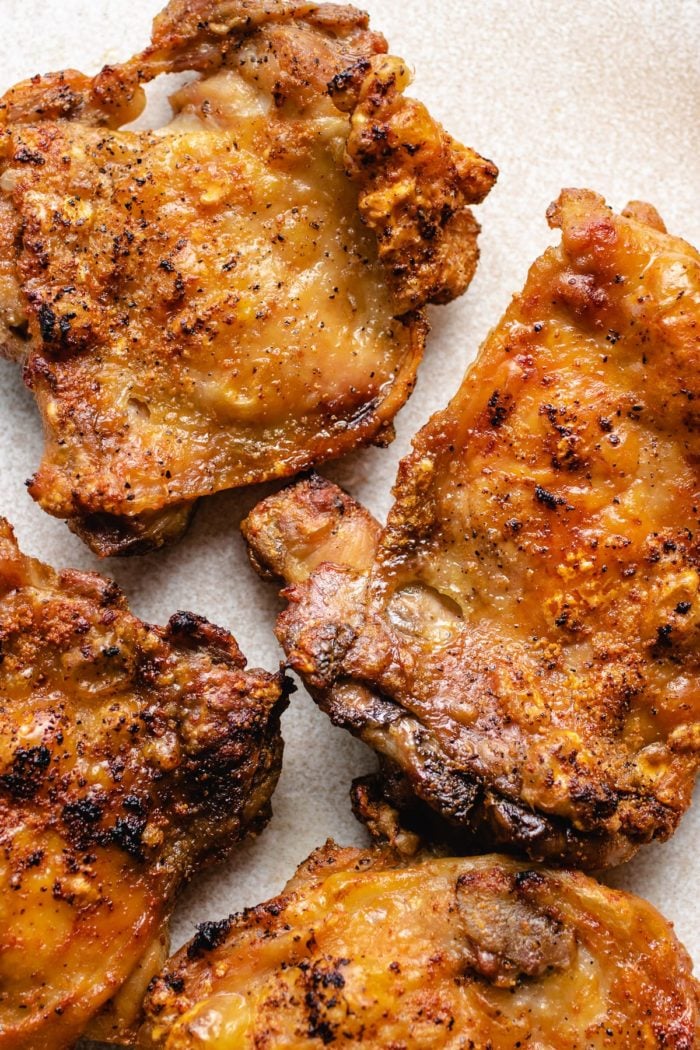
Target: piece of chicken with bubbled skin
<point>130,756</point>
<point>239,295</point>
<point>373,949</point>
<point>520,643</point>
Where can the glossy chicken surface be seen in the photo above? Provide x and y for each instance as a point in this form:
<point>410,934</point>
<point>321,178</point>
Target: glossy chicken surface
<point>238,295</point>
<point>129,756</point>
<point>363,949</point>
<point>520,643</point>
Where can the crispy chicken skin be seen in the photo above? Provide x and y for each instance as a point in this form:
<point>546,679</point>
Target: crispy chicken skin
<point>520,643</point>
<point>129,756</point>
<point>236,296</point>
<point>367,949</point>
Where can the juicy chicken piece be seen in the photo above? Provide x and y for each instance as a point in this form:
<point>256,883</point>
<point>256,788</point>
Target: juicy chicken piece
<point>238,295</point>
<point>521,642</point>
<point>364,949</point>
<point>129,756</point>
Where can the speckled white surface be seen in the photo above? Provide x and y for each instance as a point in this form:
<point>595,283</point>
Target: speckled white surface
<point>604,95</point>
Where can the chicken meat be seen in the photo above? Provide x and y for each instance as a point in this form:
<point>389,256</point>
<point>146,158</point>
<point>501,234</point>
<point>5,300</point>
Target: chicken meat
<point>365,948</point>
<point>521,642</point>
<point>129,756</point>
<point>238,295</point>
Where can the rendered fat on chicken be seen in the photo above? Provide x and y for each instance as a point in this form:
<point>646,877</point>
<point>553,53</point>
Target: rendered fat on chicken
<point>238,295</point>
<point>520,643</point>
<point>366,949</point>
<point>129,756</point>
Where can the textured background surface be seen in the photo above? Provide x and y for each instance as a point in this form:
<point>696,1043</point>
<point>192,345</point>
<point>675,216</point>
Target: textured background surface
<point>602,95</point>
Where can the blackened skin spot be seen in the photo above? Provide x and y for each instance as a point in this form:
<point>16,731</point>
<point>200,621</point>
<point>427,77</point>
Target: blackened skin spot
<point>81,818</point>
<point>174,982</point>
<point>318,1001</point>
<point>683,608</point>
<point>111,593</point>
<point>47,322</point>
<point>663,636</point>
<point>528,880</point>
<point>209,936</point>
<point>330,979</point>
<point>28,764</point>
<point>126,834</point>
<point>342,81</point>
<point>24,155</point>
<point>85,811</point>
<point>498,409</point>
<point>186,623</point>
<point>64,325</point>
<point>322,1030</point>
<point>602,804</point>
<point>548,498</point>
<point>135,804</point>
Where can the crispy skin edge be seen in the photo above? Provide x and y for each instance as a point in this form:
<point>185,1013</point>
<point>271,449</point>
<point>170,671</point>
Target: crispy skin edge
<point>116,535</point>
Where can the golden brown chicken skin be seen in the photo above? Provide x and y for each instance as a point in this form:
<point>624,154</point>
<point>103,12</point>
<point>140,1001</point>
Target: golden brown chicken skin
<point>520,643</point>
<point>364,949</point>
<point>240,294</point>
<point>129,756</point>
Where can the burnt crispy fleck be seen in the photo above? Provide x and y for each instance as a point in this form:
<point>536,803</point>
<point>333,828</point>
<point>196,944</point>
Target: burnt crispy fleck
<point>209,935</point>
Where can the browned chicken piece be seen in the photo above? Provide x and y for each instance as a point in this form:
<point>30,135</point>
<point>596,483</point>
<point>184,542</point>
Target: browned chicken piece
<point>240,294</point>
<point>366,949</point>
<point>520,643</point>
<point>129,756</point>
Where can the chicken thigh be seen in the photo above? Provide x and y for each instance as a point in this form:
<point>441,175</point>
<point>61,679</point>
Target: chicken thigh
<point>129,756</point>
<point>238,295</point>
<point>368,949</point>
<point>521,642</point>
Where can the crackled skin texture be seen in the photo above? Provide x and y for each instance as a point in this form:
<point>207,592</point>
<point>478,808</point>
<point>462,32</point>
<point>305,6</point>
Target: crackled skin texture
<point>520,643</point>
<point>364,948</point>
<point>238,295</point>
<point>129,756</point>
